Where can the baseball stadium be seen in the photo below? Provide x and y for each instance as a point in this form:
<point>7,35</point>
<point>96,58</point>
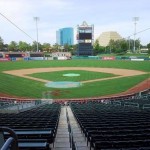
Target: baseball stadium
<point>56,98</point>
<point>92,103</point>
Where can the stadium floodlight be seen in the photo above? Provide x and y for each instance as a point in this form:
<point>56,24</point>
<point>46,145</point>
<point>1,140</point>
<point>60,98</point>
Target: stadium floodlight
<point>135,19</point>
<point>36,21</point>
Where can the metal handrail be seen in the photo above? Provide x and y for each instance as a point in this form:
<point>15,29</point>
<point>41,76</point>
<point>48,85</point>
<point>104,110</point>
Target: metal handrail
<point>7,144</point>
<point>76,147</point>
<point>12,140</point>
<point>73,145</point>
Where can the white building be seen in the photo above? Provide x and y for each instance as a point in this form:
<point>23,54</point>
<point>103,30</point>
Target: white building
<point>61,55</point>
<point>105,37</point>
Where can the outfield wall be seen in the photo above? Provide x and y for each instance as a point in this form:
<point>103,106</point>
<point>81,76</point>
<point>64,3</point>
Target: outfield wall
<point>131,58</point>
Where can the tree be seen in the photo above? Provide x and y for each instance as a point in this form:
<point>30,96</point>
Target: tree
<point>46,47</point>
<point>66,47</point>
<point>1,43</point>
<point>5,47</point>
<point>13,46</point>
<point>74,49</point>
<point>131,45</point>
<point>34,46</point>
<point>56,47</point>
<point>148,46</point>
<point>112,46</point>
<point>118,46</point>
<point>123,46</point>
<point>23,46</point>
<point>97,48</point>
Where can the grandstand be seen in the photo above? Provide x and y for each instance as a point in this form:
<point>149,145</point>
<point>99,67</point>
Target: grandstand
<point>89,124</point>
<point>104,113</point>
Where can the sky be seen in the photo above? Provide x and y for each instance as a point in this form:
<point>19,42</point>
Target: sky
<point>105,15</point>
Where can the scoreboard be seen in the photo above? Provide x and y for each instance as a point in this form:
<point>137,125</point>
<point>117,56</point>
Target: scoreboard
<point>83,36</point>
<point>85,40</point>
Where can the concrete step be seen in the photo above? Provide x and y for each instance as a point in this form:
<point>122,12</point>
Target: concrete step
<point>76,129</point>
<point>62,132</point>
<point>81,139</point>
<point>75,125</point>
<point>80,144</point>
<point>76,132</point>
<point>62,135</point>
<point>78,135</point>
<point>62,122</point>
<point>61,148</point>
<point>62,139</point>
<point>63,117</point>
<point>62,144</point>
<point>62,129</point>
<point>83,148</point>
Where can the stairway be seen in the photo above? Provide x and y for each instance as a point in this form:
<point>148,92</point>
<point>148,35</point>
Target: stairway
<point>62,140</point>
<point>78,136</point>
<point>62,137</point>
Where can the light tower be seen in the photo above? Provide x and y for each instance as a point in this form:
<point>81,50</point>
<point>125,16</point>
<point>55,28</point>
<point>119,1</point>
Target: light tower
<point>36,21</point>
<point>135,19</point>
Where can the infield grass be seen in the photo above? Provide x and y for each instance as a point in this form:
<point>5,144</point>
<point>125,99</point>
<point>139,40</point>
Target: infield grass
<point>84,75</point>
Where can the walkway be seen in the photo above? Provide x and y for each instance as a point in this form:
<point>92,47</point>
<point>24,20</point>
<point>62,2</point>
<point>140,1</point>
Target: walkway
<point>62,140</point>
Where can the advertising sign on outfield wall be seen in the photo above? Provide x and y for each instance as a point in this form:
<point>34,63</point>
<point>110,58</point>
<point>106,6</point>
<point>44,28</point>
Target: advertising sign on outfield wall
<point>36,58</point>
<point>4,59</point>
<point>137,59</point>
<point>108,58</point>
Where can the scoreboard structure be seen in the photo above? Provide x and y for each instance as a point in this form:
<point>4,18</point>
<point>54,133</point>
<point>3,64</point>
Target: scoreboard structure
<point>85,37</point>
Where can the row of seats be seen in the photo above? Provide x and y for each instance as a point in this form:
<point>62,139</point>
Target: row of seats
<point>107,126</point>
<point>135,102</point>
<point>35,128</point>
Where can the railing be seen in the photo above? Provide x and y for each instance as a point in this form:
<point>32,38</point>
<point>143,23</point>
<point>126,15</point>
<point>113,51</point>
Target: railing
<point>117,103</point>
<point>146,106</point>
<point>131,104</point>
<point>19,106</point>
<point>73,144</point>
<point>12,142</point>
<point>7,144</point>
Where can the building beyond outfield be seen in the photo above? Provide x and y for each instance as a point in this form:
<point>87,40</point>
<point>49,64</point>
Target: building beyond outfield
<point>65,36</point>
<point>105,37</point>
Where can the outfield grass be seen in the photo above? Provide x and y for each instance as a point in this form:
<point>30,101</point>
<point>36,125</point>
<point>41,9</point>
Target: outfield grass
<point>22,87</point>
<point>140,65</point>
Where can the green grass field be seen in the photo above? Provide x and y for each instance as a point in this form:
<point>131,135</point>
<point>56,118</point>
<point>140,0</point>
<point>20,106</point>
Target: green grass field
<point>22,87</point>
<point>84,75</point>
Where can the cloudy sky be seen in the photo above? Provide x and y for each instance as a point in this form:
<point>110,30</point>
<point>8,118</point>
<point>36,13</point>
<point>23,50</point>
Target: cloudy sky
<point>106,15</point>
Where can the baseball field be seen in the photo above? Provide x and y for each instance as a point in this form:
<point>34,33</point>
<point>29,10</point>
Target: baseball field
<point>27,79</point>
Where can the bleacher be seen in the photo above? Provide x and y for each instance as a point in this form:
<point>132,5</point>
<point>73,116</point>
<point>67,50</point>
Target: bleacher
<point>35,128</point>
<point>111,124</point>
<point>141,102</point>
<point>113,127</point>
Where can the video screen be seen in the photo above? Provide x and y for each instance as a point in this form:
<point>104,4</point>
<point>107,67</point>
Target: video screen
<point>15,55</point>
<point>85,36</point>
<point>37,55</point>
